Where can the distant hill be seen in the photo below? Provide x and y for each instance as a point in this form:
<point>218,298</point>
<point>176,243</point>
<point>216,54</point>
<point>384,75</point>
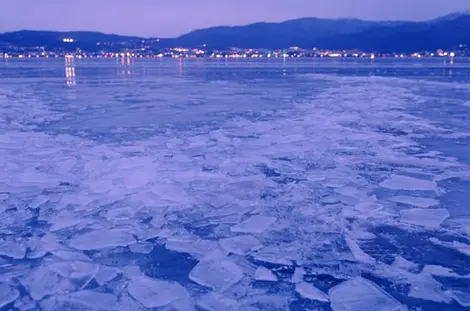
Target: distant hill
<point>445,32</point>
<point>302,32</point>
<point>86,40</point>
<point>408,37</point>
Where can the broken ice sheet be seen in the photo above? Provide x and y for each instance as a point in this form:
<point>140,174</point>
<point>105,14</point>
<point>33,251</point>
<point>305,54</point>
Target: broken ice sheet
<point>462,298</point>
<point>361,294</point>
<point>401,182</point>
<point>358,253</point>
<point>105,274</point>
<point>458,246</point>
<point>308,291</point>
<point>216,271</point>
<point>427,288</point>
<point>282,254</point>
<point>12,249</point>
<point>254,224</point>
<point>93,300</point>
<point>7,295</point>
<point>198,248</point>
<point>153,293</point>
<point>264,274</point>
<point>415,201</point>
<point>240,245</point>
<point>42,282</point>
<point>74,269</point>
<point>431,218</point>
<point>404,264</point>
<point>298,275</point>
<point>103,238</point>
<point>216,302</point>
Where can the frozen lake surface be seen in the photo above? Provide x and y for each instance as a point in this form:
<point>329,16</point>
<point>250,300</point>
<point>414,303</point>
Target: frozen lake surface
<point>234,185</point>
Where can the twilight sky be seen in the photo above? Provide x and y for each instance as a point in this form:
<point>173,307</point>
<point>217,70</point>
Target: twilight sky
<point>166,18</point>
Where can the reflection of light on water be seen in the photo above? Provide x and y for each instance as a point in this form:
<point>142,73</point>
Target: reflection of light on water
<point>70,70</point>
<point>180,66</point>
<point>127,62</point>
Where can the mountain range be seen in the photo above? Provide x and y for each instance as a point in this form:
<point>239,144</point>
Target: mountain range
<point>447,32</point>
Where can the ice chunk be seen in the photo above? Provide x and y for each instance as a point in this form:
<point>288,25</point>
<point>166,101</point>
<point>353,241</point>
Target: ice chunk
<point>264,274</point>
<point>240,245</point>
<point>358,253</point>
<point>462,247</point>
<point>94,300</point>
<point>153,293</point>
<point>197,248</point>
<point>401,182</point>
<point>12,249</point>
<point>298,275</point>
<point>43,282</point>
<point>143,248</point>
<point>431,218</point>
<point>260,302</point>
<point>70,255</point>
<point>462,298</point>
<point>74,269</point>
<point>415,201</point>
<point>361,294</point>
<point>216,302</point>
<point>105,274</point>
<point>62,222</point>
<point>254,224</point>
<point>458,246</point>
<point>7,295</point>
<point>102,239</point>
<point>427,288</point>
<point>281,254</point>
<point>308,291</point>
<point>217,272</point>
<point>39,201</point>
<point>440,271</point>
<point>404,264</point>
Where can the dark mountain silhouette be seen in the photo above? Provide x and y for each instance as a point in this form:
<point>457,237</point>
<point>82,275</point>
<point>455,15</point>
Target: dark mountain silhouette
<point>302,32</point>
<point>86,40</point>
<point>445,32</point>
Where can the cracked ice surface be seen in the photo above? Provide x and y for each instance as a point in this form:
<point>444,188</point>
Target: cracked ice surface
<point>225,192</point>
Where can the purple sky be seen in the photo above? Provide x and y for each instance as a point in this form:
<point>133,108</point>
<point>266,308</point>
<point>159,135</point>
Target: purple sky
<point>167,18</point>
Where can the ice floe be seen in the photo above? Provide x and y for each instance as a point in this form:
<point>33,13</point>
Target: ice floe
<point>93,300</point>
<point>264,274</point>
<point>216,271</point>
<point>215,302</point>
<point>308,291</point>
<point>463,248</point>
<point>153,293</point>
<point>415,201</point>
<point>240,245</point>
<point>104,238</point>
<point>430,218</point>
<point>12,249</point>
<point>462,298</point>
<point>43,282</point>
<point>254,224</point>
<point>402,182</point>
<point>7,295</point>
<point>362,294</point>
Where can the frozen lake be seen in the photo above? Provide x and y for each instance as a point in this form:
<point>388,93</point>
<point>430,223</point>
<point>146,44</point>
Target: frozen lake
<point>297,184</point>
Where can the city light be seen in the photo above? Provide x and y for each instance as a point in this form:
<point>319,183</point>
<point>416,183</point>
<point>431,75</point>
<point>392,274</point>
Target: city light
<point>67,40</point>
